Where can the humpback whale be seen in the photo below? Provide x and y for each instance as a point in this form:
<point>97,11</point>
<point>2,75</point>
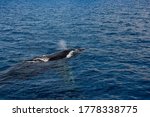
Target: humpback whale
<point>56,56</point>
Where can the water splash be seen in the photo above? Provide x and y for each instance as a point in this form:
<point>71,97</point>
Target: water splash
<point>62,45</point>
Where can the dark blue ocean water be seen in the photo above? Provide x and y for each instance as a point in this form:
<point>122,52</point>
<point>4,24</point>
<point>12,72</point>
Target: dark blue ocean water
<point>115,34</point>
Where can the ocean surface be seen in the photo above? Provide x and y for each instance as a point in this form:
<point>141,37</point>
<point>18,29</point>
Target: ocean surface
<point>114,65</point>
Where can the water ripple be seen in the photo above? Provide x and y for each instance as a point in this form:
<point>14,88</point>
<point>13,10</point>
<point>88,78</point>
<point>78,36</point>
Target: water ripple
<point>114,65</point>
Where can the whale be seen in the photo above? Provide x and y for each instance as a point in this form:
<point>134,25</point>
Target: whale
<point>68,53</point>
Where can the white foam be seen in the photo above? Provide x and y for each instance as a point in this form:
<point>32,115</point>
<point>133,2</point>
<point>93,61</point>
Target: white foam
<point>44,59</point>
<point>70,54</point>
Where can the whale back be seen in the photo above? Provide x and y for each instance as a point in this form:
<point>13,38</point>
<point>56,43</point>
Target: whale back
<point>59,55</point>
<point>56,56</point>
